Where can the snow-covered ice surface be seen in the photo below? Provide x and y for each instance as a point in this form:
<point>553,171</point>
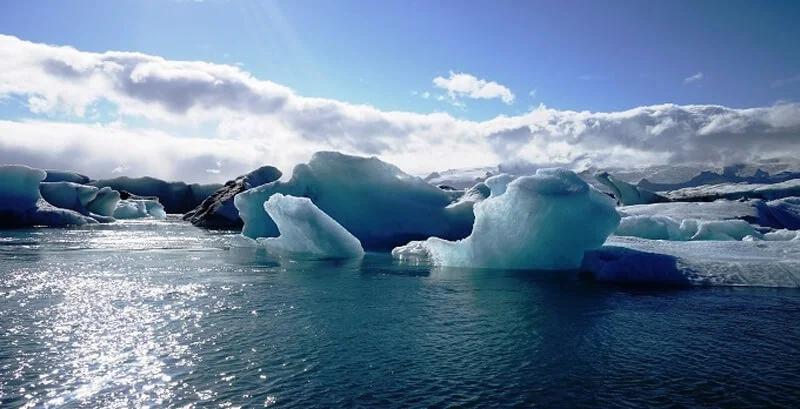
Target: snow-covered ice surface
<point>734,191</point>
<point>305,232</point>
<point>542,222</point>
<point>719,220</point>
<point>375,201</point>
<point>727,263</point>
<point>667,228</point>
<point>718,210</point>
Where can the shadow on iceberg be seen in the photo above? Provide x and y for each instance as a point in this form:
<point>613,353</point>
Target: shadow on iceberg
<point>622,265</point>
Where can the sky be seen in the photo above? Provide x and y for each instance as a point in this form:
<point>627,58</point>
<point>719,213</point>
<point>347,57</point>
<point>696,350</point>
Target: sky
<point>206,90</point>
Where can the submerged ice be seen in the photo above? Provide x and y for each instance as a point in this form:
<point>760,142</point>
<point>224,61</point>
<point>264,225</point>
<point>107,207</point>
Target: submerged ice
<point>544,222</point>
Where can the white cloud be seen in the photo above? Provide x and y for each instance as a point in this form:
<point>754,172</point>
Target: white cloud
<point>532,93</point>
<point>466,85</point>
<point>255,122</point>
<point>426,95</point>
<point>693,78</point>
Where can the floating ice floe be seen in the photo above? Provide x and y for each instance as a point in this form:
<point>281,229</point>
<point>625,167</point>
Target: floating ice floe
<point>542,222</point>
<point>719,220</point>
<point>729,263</point>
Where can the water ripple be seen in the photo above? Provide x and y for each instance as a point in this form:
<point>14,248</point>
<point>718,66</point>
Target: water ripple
<point>119,317</point>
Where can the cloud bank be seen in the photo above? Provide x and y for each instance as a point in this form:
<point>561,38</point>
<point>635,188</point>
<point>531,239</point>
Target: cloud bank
<point>256,122</point>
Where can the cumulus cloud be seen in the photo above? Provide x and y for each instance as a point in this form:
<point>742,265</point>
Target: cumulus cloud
<point>466,85</point>
<point>256,122</point>
<point>693,78</point>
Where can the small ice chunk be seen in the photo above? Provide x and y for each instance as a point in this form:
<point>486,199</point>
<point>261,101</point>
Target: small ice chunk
<point>130,209</point>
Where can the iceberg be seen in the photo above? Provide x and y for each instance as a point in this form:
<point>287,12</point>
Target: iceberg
<point>497,184</point>
<point>659,227</point>
<point>65,176</point>
<point>104,202</point>
<point>375,201</point>
<point>540,222</point>
<point>781,213</point>
<point>632,260</point>
<point>21,203</point>
<point>626,193</point>
<point>86,200</point>
<point>307,232</point>
<point>176,197</point>
<point>139,208</point>
<point>20,186</point>
<point>736,191</point>
<point>777,214</point>
<point>218,211</point>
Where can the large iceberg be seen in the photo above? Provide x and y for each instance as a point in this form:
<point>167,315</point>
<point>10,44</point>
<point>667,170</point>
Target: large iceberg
<point>375,201</point>
<point>21,203</point>
<point>176,197</point>
<point>306,232</point>
<point>87,200</point>
<point>541,222</point>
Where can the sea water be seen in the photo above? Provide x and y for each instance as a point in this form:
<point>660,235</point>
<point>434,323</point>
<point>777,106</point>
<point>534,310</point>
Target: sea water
<point>161,314</point>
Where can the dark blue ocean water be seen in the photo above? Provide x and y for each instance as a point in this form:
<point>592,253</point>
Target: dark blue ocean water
<point>154,314</point>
